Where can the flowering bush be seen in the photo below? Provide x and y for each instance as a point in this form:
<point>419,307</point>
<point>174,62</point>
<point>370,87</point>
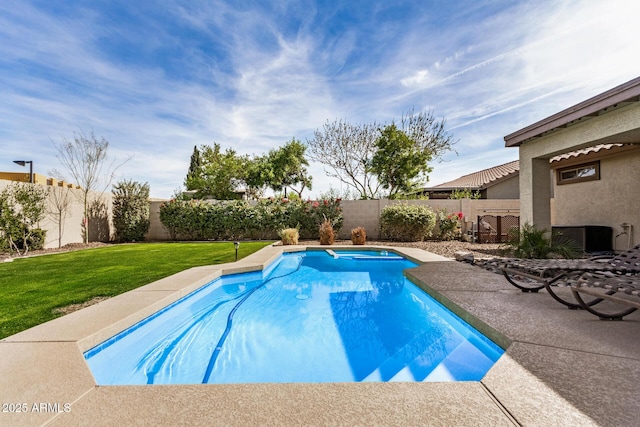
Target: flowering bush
<point>450,225</point>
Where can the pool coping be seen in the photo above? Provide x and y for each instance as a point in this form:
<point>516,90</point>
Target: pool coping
<point>42,369</point>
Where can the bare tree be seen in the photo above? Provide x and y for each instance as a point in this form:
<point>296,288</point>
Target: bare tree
<point>59,198</point>
<point>86,160</point>
<point>429,133</point>
<point>347,149</point>
<point>58,209</point>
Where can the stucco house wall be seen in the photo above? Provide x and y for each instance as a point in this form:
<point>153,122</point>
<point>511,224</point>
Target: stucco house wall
<point>611,201</point>
<point>612,117</point>
<point>507,189</point>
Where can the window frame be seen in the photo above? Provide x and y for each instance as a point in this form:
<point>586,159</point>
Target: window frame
<point>563,181</point>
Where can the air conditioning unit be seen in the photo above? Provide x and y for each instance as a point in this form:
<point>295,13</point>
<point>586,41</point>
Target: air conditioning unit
<point>590,238</point>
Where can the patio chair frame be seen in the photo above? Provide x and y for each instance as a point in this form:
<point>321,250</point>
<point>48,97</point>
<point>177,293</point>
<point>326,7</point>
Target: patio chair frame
<point>592,283</point>
<point>549,272</point>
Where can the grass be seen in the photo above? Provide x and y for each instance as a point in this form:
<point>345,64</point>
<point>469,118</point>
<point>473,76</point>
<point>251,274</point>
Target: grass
<point>32,288</point>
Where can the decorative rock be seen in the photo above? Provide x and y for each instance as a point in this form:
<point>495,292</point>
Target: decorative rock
<point>464,257</point>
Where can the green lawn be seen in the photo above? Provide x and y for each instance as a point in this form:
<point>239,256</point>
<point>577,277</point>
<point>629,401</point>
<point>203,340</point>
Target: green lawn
<point>31,288</point>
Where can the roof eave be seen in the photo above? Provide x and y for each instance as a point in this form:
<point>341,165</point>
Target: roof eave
<point>627,92</point>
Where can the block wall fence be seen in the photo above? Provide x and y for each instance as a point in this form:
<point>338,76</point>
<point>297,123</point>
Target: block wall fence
<point>357,213</point>
<point>366,213</point>
<point>69,230</point>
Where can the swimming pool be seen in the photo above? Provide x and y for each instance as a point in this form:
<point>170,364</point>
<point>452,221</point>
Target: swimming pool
<point>314,316</point>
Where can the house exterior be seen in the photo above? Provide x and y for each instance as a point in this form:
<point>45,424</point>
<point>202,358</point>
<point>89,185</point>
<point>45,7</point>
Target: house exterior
<point>498,182</point>
<point>593,150</point>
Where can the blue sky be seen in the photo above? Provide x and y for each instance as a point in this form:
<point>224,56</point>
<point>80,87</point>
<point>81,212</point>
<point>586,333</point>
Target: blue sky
<point>157,78</point>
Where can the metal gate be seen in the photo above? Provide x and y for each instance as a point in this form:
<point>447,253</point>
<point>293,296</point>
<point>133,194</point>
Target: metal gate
<point>495,229</point>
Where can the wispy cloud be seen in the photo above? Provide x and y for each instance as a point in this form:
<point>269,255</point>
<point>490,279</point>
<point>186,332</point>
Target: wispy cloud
<point>158,80</point>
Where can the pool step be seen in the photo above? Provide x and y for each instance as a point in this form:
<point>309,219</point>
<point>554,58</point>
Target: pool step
<point>465,363</point>
<point>413,362</point>
<point>361,257</point>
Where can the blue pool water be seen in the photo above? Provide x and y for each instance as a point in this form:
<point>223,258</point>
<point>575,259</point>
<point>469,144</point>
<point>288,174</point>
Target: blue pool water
<point>315,316</point>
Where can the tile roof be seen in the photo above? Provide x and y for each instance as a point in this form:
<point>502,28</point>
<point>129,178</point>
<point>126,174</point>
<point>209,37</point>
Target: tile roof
<point>487,177</point>
<point>482,179</point>
<point>585,151</point>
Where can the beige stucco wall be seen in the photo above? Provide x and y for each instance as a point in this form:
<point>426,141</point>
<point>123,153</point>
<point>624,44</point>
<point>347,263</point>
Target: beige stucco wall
<point>366,213</point>
<point>156,230</point>
<point>610,127</point>
<point>507,189</point>
<point>99,230</point>
<point>612,200</point>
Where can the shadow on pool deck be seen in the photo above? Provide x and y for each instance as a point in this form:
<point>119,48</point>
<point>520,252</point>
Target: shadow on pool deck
<point>561,367</point>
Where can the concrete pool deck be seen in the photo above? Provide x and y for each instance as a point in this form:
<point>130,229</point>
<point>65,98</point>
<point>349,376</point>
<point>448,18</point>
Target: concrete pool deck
<point>561,367</point>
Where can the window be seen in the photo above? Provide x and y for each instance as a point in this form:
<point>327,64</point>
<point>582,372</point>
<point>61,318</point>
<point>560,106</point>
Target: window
<point>578,173</point>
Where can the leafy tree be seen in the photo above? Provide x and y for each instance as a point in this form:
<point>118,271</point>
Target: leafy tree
<point>258,174</point>
<point>223,173</point>
<point>22,207</point>
<point>195,170</point>
<point>130,210</point>
<point>85,158</point>
<point>347,149</point>
<point>465,193</point>
<point>399,162</point>
<point>281,168</point>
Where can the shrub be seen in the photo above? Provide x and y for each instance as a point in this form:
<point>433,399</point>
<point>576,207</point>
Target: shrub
<point>22,207</point>
<point>449,225</point>
<point>529,242</point>
<point>315,212</point>
<point>130,210</point>
<point>289,236</point>
<point>237,219</point>
<point>35,239</point>
<point>358,236</point>
<point>327,236</point>
<point>408,223</point>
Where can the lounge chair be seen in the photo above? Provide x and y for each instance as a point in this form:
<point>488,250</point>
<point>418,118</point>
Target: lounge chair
<point>531,275</point>
<point>607,286</point>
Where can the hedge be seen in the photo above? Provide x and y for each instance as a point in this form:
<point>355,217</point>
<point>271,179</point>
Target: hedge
<point>239,219</point>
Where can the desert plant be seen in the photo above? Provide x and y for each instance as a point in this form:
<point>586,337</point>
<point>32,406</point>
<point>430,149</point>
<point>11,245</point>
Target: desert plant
<point>289,236</point>
<point>530,242</point>
<point>327,236</point>
<point>358,236</point>
<point>408,223</point>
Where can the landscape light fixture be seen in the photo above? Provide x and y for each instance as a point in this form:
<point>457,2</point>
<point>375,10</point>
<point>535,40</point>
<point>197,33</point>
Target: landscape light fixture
<point>237,246</point>
<point>24,163</point>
